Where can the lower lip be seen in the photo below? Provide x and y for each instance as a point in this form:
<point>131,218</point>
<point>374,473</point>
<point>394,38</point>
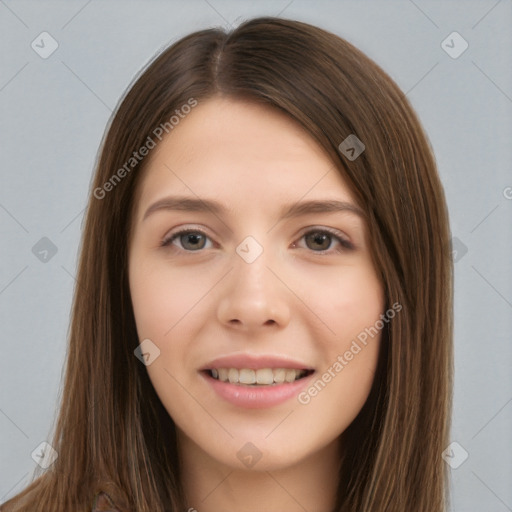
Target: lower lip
<point>256,397</point>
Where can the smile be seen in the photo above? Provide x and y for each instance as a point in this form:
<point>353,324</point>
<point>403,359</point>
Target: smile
<point>259,377</point>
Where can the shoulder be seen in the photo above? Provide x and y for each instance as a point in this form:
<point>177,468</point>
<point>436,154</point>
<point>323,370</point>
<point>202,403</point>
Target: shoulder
<point>103,503</point>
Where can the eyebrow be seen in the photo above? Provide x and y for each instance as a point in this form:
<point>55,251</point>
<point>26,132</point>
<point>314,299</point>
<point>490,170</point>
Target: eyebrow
<point>190,204</point>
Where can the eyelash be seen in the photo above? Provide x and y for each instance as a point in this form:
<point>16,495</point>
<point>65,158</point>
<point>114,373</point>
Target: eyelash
<point>345,244</point>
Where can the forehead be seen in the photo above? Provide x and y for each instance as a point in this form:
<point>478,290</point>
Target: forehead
<point>240,151</point>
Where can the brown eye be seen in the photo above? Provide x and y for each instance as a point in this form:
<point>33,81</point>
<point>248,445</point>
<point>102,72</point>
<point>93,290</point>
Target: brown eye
<point>321,240</point>
<point>189,240</point>
<point>318,240</point>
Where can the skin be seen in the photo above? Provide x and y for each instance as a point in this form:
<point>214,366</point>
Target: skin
<point>198,302</point>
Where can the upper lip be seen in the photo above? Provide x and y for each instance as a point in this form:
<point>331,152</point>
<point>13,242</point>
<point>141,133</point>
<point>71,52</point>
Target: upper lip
<point>256,362</point>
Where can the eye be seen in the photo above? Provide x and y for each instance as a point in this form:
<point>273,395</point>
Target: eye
<point>191,240</point>
<point>318,240</point>
<point>321,240</point>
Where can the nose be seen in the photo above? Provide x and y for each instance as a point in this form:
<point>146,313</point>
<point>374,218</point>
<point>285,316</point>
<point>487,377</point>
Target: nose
<point>253,296</point>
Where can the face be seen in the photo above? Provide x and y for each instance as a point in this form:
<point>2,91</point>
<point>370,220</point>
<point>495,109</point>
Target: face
<point>251,274</point>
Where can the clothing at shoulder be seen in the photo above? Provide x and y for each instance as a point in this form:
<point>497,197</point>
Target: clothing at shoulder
<point>103,503</point>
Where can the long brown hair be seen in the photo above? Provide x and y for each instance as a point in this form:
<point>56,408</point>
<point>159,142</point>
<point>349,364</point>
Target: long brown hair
<point>112,432</point>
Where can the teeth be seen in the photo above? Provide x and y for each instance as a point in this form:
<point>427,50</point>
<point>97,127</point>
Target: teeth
<point>247,376</point>
<point>290,375</point>
<point>279,375</point>
<point>262,377</point>
<point>233,375</point>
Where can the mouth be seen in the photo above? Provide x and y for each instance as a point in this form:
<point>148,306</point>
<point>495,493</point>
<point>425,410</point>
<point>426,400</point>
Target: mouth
<point>261,377</point>
<point>255,381</point>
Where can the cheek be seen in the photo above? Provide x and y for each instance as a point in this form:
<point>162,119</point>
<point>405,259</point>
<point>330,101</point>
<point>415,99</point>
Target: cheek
<point>350,302</point>
<point>352,307</point>
<point>350,356</point>
<point>168,304</point>
<point>162,297</point>
<point>164,303</point>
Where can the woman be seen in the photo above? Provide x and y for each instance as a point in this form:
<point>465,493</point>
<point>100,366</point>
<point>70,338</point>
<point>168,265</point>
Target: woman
<point>263,311</point>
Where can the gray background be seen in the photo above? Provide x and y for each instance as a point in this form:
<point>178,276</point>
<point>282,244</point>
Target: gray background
<point>54,112</point>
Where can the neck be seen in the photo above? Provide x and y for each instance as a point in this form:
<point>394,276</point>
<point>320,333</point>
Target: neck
<point>309,484</point>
